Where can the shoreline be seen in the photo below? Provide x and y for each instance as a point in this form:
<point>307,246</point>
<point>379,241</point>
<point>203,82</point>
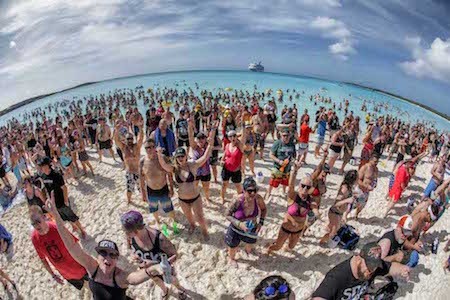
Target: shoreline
<point>39,97</point>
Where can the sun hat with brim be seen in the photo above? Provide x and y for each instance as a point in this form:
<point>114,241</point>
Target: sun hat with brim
<point>371,254</point>
<point>132,220</point>
<point>180,152</point>
<point>406,224</point>
<point>107,245</point>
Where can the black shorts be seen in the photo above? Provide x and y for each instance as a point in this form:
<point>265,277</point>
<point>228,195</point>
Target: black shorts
<point>203,178</point>
<point>2,171</point>
<point>182,143</point>
<point>233,239</point>
<point>105,145</point>
<point>214,160</point>
<point>67,214</point>
<point>236,176</point>
<point>78,283</point>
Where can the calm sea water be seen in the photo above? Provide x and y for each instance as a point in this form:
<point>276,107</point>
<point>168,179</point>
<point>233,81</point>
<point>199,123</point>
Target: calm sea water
<point>215,81</point>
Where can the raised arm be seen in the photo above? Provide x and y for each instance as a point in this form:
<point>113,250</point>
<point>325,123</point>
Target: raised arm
<point>116,137</point>
<point>140,140</point>
<point>84,259</point>
<point>293,176</point>
<point>166,166</point>
<point>191,124</point>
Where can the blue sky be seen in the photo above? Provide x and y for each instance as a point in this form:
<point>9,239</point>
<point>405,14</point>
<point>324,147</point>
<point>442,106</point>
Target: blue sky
<point>396,45</point>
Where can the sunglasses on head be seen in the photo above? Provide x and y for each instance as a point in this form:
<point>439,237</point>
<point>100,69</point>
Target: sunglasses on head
<point>104,253</point>
<point>305,186</point>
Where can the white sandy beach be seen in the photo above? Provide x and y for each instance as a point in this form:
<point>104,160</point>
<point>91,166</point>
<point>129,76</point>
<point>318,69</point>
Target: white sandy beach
<point>203,267</point>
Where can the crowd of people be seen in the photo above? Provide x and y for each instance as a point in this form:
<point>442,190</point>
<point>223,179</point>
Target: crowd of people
<point>44,156</point>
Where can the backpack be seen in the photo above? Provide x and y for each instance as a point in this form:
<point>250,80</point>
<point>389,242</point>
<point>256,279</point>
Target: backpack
<point>346,237</point>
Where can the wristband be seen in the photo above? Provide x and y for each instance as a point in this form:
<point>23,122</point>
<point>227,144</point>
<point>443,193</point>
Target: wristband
<point>261,221</point>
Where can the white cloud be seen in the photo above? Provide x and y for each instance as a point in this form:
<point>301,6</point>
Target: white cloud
<point>322,3</point>
<point>432,62</point>
<point>12,44</point>
<point>335,29</point>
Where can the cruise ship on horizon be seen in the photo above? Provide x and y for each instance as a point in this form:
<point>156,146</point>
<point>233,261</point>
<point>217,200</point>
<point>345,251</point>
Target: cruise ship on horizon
<point>256,67</point>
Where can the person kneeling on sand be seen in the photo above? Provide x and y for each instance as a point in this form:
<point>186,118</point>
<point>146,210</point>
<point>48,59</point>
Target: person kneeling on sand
<point>299,209</point>
<point>148,245</point>
<point>273,288</point>
<point>352,278</point>
<point>106,279</point>
<point>392,244</point>
<point>45,234</point>
<point>243,214</point>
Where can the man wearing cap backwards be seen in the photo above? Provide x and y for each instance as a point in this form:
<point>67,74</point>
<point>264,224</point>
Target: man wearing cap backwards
<point>156,187</point>
<point>54,182</point>
<point>50,248</point>
<point>283,153</point>
<point>106,279</point>
<point>352,278</point>
<point>392,244</point>
<point>131,155</point>
<point>104,138</point>
<point>367,181</point>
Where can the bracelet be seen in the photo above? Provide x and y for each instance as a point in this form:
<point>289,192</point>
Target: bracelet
<point>261,221</point>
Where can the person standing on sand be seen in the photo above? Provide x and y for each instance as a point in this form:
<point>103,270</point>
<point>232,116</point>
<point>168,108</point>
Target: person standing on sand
<point>242,214</point>
<point>164,138</point>
<point>131,156</point>
<point>402,178</point>
<point>104,138</point>
<point>188,192</point>
<point>50,248</point>
<point>83,156</point>
<point>54,182</point>
<point>106,280</point>
<point>260,128</point>
<point>156,187</point>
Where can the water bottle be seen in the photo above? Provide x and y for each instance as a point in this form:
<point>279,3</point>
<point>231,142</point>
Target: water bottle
<point>166,268</point>
<point>353,161</point>
<point>250,225</point>
<point>260,177</point>
<point>434,249</point>
<point>334,242</point>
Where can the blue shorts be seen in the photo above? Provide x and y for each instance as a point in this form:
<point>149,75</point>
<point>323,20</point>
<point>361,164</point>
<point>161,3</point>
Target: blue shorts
<point>432,186</point>
<point>159,197</point>
<point>320,139</point>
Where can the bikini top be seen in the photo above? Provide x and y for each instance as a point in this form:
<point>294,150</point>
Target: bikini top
<point>190,178</point>
<point>294,208</point>
<point>102,291</point>
<point>240,214</point>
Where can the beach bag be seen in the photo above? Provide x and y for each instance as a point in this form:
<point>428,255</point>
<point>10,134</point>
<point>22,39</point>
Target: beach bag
<point>346,237</point>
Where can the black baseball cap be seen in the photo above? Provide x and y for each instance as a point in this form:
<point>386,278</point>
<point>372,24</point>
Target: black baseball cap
<point>45,161</point>
<point>326,168</point>
<point>371,254</point>
<point>201,135</point>
<point>180,152</point>
<point>107,245</point>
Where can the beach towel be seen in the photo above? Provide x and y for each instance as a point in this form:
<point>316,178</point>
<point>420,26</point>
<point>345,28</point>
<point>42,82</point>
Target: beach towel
<point>170,138</point>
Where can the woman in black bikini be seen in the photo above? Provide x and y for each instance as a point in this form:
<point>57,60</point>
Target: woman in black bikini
<point>148,244</point>
<point>184,170</point>
<point>106,280</point>
<point>344,199</point>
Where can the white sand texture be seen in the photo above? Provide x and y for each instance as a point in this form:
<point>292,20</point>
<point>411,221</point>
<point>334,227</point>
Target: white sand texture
<point>203,267</point>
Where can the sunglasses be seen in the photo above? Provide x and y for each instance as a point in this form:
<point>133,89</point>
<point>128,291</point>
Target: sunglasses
<point>251,191</point>
<point>270,290</point>
<point>35,222</point>
<point>112,255</point>
<point>181,156</point>
<point>150,147</point>
<point>305,186</point>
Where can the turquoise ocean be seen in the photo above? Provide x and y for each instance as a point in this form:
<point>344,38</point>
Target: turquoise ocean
<point>217,81</point>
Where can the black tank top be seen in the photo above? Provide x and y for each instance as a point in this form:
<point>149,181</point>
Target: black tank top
<point>395,246</point>
<point>101,291</point>
<point>153,254</point>
<point>335,148</point>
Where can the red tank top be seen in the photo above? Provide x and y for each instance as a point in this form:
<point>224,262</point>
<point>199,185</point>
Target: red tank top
<point>232,159</point>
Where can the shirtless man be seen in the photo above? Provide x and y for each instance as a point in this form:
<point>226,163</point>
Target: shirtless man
<point>260,128</point>
<point>437,176</point>
<point>169,117</point>
<point>367,181</point>
<point>104,138</point>
<point>156,188</point>
<point>131,155</point>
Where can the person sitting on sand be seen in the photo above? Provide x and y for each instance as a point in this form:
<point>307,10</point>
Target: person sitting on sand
<point>50,248</point>
<point>106,280</point>
<point>352,278</point>
<point>283,155</point>
<point>272,288</point>
<point>299,208</point>
<point>344,200</point>
<point>148,245</point>
<point>242,214</point>
<point>156,187</point>
<point>131,156</point>
<point>104,138</point>
<point>6,243</point>
<point>188,192</point>
<point>392,243</point>
<point>231,161</point>
<point>54,182</point>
